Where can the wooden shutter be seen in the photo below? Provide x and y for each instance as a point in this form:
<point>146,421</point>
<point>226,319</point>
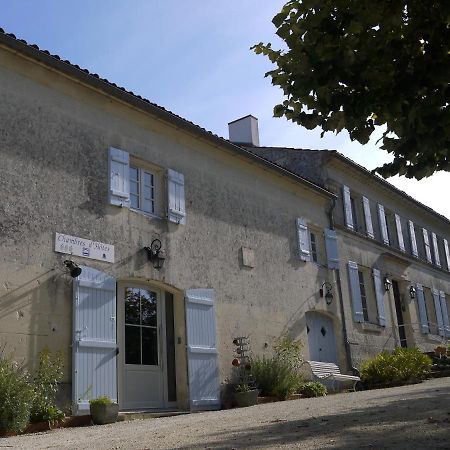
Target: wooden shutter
<point>426,241</point>
<point>445,316</point>
<point>412,237</point>
<point>368,217</point>
<point>94,338</point>
<point>447,254</point>
<point>331,248</point>
<point>438,309</point>
<point>303,240</point>
<point>203,364</point>
<point>347,207</point>
<point>119,177</point>
<point>176,201</point>
<point>383,224</point>
<point>398,226</point>
<point>379,294</point>
<point>422,309</point>
<point>437,259</point>
<point>355,291</point>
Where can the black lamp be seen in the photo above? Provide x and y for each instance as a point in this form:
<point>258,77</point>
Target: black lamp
<point>72,268</point>
<point>387,283</point>
<point>325,291</point>
<point>155,254</point>
<point>412,292</point>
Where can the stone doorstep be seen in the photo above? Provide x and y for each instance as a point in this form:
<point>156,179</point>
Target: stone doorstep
<point>147,414</point>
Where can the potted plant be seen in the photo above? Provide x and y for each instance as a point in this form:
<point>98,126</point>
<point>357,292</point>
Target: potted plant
<point>245,395</point>
<point>103,410</point>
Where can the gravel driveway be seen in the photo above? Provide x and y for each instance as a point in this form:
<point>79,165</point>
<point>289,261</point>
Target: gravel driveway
<point>409,417</point>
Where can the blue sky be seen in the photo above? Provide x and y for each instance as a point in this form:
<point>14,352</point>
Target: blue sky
<point>192,57</point>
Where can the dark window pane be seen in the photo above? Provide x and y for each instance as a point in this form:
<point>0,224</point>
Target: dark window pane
<point>132,345</point>
<point>134,174</point>
<point>148,308</point>
<point>132,306</point>
<point>149,346</point>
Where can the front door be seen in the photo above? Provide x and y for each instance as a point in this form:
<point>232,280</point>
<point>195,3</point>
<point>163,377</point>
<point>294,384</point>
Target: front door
<point>399,312</point>
<point>142,348</point>
<point>321,340</point>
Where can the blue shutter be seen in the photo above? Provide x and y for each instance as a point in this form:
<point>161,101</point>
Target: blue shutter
<point>379,294</point>
<point>445,316</point>
<point>331,248</point>
<point>426,241</point>
<point>438,309</point>
<point>94,338</point>
<point>176,201</point>
<point>347,207</point>
<point>412,237</point>
<point>203,365</point>
<point>437,259</point>
<point>119,177</point>
<point>447,254</point>
<point>383,224</point>
<point>303,240</point>
<point>368,217</point>
<point>398,225</point>
<point>355,291</point>
<point>422,309</point>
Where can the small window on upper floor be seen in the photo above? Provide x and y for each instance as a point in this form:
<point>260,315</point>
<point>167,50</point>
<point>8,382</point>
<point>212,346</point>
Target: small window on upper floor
<point>142,189</point>
<point>313,243</point>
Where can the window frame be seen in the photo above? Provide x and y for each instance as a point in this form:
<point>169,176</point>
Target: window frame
<point>363,292</point>
<point>141,198</point>
<point>313,247</point>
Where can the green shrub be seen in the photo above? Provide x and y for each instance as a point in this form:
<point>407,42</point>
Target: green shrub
<point>312,389</point>
<point>103,400</point>
<point>403,365</point>
<point>49,373</point>
<point>16,396</point>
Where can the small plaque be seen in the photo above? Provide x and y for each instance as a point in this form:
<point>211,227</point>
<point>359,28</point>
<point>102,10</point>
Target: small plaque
<point>248,257</point>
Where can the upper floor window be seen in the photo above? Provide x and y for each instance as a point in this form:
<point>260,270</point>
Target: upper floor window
<point>362,289</point>
<point>313,244</point>
<point>142,189</point>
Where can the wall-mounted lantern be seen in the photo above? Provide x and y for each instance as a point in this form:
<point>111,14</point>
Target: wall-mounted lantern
<point>155,254</point>
<point>412,292</point>
<point>73,268</point>
<point>325,291</point>
<point>387,283</point>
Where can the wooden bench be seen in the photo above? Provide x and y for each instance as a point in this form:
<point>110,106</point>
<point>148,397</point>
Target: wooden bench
<point>326,371</point>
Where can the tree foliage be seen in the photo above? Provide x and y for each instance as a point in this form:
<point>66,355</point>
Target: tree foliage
<point>355,64</point>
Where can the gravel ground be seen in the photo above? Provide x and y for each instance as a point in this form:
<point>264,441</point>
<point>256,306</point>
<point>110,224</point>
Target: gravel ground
<point>408,417</point>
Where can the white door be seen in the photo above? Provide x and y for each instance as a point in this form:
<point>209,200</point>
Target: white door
<point>141,312</point>
<point>321,340</point>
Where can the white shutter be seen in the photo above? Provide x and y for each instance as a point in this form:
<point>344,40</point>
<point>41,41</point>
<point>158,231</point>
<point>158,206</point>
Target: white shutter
<point>445,316</point>
<point>368,217</point>
<point>422,309</point>
<point>412,237</point>
<point>175,193</point>
<point>331,248</point>
<point>447,254</point>
<point>438,309</point>
<point>398,225</point>
<point>355,291</point>
<point>119,177</point>
<point>383,224</point>
<point>203,365</point>
<point>426,241</point>
<point>379,294</point>
<point>94,338</point>
<point>437,259</point>
<point>347,207</point>
<point>303,240</point>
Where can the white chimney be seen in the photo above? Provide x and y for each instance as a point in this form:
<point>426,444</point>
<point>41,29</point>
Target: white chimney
<point>244,131</point>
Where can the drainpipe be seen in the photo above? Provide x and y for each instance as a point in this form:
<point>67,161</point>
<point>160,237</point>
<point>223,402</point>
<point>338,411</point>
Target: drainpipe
<point>337,275</point>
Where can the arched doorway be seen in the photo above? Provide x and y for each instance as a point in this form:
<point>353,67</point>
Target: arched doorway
<point>321,337</point>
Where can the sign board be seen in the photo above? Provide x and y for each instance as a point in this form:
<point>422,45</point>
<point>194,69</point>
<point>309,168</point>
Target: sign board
<point>72,245</point>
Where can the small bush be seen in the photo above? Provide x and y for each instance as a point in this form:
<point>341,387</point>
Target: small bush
<point>103,400</point>
<point>312,389</point>
<point>49,373</point>
<point>403,365</point>
<point>16,396</point>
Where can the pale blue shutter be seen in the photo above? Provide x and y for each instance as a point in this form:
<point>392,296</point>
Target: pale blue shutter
<point>176,197</point>
<point>203,364</point>
<point>355,291</point>
<point>412,237</point>
<point>438,309</point>
<point>426,241</point>
<point>347,207</point>
<point>303,240</point>
<point>119,177</point>
<point>368,217</point>
<point>422,309</point>
<point>383,224</point>
<point>94,338</point>
<point>379,294</point>
<point>447,254</point>
<point>331,248</point>
<point>398,225</point>
<point>437,259</point>
<point>445,316</point>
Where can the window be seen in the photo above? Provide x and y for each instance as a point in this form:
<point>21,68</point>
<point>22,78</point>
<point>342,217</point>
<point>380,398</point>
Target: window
<point>142,190</point>
<point>313,243</point>
<point>354,214</point>
<point>431,311</point>
<point>362,289</point>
